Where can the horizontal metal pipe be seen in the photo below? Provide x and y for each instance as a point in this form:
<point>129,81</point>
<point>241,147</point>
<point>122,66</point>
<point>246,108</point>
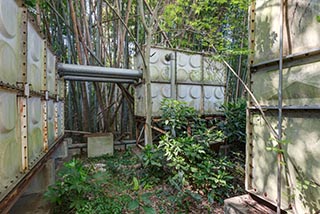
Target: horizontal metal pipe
<point>97,79</point>
<point>85,69</point>
<point>76,74</point>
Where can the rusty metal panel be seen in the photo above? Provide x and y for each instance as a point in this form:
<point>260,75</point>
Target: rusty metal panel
<point>301,28</point>
<point>301,86</point>
<point>10,146</point>
<point>51,114</point>
<point>189,68</point>
<point>10,42</point>
<point>213,99</point>
<point>35,60</point>
<point>158,93</point>
<point>35,129</point>
<point>193,95</point>
<point>160,70</point>
<point>302,159</point>
<point>51,72</point>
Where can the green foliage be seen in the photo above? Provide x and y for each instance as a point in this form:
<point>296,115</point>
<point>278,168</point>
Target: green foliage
<point>198,25</point>
<point>191,166</point>
<point>176,115</point>
<point>234,125</point>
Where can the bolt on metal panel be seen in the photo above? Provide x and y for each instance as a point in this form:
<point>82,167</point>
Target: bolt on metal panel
<point>35,60</point>
<point>301,86</point>
<point>10,147</point>
<point>36,135</point>
<point>10,42</point>
<point>51,72</point>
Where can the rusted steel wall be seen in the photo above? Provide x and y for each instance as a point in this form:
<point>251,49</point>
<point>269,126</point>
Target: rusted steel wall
<point>300,101</point>
<point>31,102</point>
<point>191,77</point>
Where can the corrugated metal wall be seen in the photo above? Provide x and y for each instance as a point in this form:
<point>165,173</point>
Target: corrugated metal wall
<point>301,103</point>
<point>187,76</point>
<point>31,96</point>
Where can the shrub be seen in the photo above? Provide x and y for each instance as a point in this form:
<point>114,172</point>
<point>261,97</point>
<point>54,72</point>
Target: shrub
<point>234,125</point>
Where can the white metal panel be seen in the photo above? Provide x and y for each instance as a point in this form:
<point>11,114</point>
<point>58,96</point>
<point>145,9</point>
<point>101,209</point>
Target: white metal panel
<point>10,146</point>
<point>192,95</point>
<point>213,99</point>
<point>302,159</point>
<point>60,119</point>
<point>35,129</point>
<point>158,93</point>
<point>51,122</point>
<point>51,72</point>
<point>159,65</point>
<point>189,68</point>
<point>301,85</point>
<point>35,60</point>
<point>10,42</point>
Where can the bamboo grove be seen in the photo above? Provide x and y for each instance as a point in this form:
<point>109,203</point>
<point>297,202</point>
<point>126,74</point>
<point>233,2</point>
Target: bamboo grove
<point>111,32</point>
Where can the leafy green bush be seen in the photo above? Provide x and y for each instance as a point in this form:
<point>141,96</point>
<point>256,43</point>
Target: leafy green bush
<point>185,156</point>
<point>234,125</point>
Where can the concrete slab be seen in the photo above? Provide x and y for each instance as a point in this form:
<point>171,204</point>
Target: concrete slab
<point>100,144</point>
<point>44,178</point>
<point>244,204</point>
<point>31,204</point>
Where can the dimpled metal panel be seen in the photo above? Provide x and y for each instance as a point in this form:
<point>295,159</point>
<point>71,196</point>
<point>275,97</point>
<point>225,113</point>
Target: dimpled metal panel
<point>35,59</point>
<point>10,147</point>
<point>158,93</point>
<point>192,94</point>
<point>160,65</point>
<point>10,42</point>
<point>35,129</point>
<point>189,68</point>
<point>51,121</point>
<point>51,72</point>
<point>213,99</point>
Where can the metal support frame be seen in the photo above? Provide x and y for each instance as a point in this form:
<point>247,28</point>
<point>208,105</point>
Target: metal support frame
<point>44,106</point>
<point>24,132</point>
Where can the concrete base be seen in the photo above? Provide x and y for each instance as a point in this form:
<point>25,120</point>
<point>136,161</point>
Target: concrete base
<point>31,204</point>
<point>42,179</point>
<point>244,204</point>
<point>100,144</point>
